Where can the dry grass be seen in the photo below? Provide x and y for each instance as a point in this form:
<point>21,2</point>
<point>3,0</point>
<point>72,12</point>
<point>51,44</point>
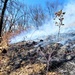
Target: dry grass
<point>3,45</point>
<point>30,69</point>
<point>52,73</point>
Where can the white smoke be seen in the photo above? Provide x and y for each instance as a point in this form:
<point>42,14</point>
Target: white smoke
<point>49,28</point>
<point>69,17</point>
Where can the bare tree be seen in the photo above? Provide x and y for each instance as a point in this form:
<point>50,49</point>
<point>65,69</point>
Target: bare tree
<point>26,18</point>
<point>14,15</point>
<point>2,16</point>
<point>37,16</point>
<point>52,7</point>
<point>10,21</point>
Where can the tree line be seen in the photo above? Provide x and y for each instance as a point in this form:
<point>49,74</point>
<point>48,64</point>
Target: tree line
<point>16,16</point>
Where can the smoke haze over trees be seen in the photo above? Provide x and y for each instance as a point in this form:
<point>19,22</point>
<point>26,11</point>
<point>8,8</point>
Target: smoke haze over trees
<point>20,16</point>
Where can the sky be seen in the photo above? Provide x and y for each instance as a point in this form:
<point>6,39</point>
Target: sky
<point>49,27</point>
<point>42,2</point>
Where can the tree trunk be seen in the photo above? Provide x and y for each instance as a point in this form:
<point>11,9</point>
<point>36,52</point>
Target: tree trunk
<point>2,17</point>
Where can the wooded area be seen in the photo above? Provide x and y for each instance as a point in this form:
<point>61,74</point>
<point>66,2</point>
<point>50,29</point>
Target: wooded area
<point>16,16</point>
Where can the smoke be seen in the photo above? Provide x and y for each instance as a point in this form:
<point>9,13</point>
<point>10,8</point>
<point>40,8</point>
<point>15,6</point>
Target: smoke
<point>49,27</point>
<point>41,33</point>
<point>69,17</point>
